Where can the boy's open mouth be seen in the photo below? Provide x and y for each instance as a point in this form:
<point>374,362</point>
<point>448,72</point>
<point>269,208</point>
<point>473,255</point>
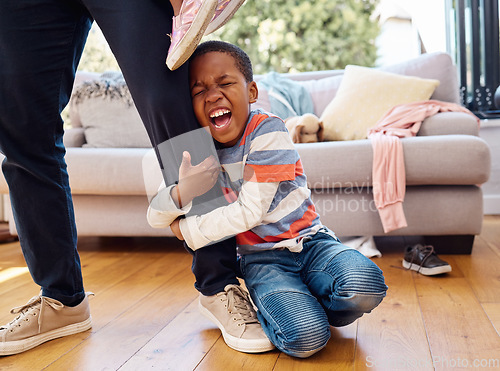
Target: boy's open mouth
<point>220,118</point>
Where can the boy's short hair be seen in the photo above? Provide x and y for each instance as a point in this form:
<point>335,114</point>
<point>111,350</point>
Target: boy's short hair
<point>241,58</point>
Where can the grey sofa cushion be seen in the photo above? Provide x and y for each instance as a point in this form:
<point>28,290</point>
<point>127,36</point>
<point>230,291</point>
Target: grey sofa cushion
<point>329,165</point>
<point>445,123</point>
<point>428,160</point>
<point>429,210</point>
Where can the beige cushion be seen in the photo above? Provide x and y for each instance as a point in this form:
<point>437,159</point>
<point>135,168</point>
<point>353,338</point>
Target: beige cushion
<point>108,115</point>
<point>81,77</point>
<point>365,95</point>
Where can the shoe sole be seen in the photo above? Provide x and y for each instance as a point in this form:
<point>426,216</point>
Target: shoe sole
<point>224,17</point>
<point>19,346</point>
<point>427,271</point>
<point>241,345</point>
<point>192,38</point>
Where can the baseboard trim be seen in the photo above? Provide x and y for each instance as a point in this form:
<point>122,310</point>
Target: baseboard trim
<point>5,235</point>
<point>491,204</point>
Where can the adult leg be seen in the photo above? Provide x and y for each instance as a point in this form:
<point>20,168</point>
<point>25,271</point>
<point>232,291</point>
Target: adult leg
<point>290,315</point>
<point>136,31</point>
<point>346,283</point>
<point>41,43</point>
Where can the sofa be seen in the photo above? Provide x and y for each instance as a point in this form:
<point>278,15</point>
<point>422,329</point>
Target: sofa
<point>108,153</point>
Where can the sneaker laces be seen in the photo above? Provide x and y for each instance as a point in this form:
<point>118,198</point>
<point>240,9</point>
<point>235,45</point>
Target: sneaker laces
<point>31,306</point>
<point>428,250</point>
<point>238,302</point>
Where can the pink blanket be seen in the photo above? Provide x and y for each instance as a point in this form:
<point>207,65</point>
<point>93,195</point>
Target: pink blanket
<point>388,171</point>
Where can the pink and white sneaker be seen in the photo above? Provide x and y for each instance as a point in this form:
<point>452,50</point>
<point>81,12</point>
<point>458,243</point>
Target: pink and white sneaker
<point>225,10</point>
<point>188,29</point>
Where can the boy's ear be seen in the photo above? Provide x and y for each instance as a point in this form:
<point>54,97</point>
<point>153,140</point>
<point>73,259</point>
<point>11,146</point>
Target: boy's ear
<point>253,92</point>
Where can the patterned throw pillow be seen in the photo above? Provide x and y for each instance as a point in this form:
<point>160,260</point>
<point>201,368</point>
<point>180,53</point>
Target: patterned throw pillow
<point>105,110</point>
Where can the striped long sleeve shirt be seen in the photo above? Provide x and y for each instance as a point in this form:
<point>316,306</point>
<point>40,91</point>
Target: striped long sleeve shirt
<point>269,202</point>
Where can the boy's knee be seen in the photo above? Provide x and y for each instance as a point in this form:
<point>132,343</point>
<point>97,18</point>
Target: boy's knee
<point>364,303</point>
<point>301,326</point>
<point>360,276</point>
<point>307,339</point>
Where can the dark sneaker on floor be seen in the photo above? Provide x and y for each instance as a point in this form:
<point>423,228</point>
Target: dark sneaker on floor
<point>232,311</point>
<point>40,320</point>
<point>423,259</point>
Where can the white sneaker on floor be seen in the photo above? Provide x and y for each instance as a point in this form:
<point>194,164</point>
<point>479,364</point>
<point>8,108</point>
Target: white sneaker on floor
<point>40,320</point>
<point>234,315</point>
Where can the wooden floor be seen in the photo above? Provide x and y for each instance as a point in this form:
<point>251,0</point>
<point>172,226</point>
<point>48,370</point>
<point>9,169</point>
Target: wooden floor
<point>145,315</point>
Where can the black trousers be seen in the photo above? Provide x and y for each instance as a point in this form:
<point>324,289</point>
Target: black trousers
<point>41,42</point>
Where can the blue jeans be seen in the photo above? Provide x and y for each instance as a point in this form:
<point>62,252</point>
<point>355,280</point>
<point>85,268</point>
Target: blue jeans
<point>41,42</point>
<point>299,295</point>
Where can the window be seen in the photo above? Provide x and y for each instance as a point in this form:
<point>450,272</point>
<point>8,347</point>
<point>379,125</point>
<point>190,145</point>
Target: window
<point>473,41</point>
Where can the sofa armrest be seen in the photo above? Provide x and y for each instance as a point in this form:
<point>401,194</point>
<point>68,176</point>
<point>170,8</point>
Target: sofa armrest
<point>449,123</point>
<point>74,137</point>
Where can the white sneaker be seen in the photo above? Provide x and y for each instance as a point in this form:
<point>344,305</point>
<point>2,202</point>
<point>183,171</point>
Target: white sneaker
<point>234,315</point>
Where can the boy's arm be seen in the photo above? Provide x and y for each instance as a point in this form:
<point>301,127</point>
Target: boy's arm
<point>175,200</point>
<point>194,180</point>
<point>163,210</point>
<point>242,215</point>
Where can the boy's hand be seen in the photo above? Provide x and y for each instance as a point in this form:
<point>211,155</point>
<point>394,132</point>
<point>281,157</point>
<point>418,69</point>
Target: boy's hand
<point>176,229</point>
<point>194,180</point>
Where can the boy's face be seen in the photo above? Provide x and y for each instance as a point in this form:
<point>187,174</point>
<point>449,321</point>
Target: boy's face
<point>221,96</point>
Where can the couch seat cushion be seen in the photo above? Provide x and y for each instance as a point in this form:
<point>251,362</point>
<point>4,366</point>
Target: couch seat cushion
<point>434,160</point>
<point>437,160</point>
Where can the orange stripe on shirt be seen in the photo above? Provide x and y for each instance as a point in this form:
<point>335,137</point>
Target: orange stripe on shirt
<point>300,224</point>
<point>248,238</point>
<point>272,173</point>
<point>268,173</point>
<point>299,170</point>
<point>256,120</point>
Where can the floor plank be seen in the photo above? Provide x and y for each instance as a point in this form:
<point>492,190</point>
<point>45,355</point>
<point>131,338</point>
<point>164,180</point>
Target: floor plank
<point>145,315</point>
<point>177,346</point>
<point>393,336</point>
<point>486,285</point>
<point>338,354</point>
<point>492,310</point>
<point>490,232</point>
<point>221,357</point>
<point>131,322</point>
<point>456,324</point>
